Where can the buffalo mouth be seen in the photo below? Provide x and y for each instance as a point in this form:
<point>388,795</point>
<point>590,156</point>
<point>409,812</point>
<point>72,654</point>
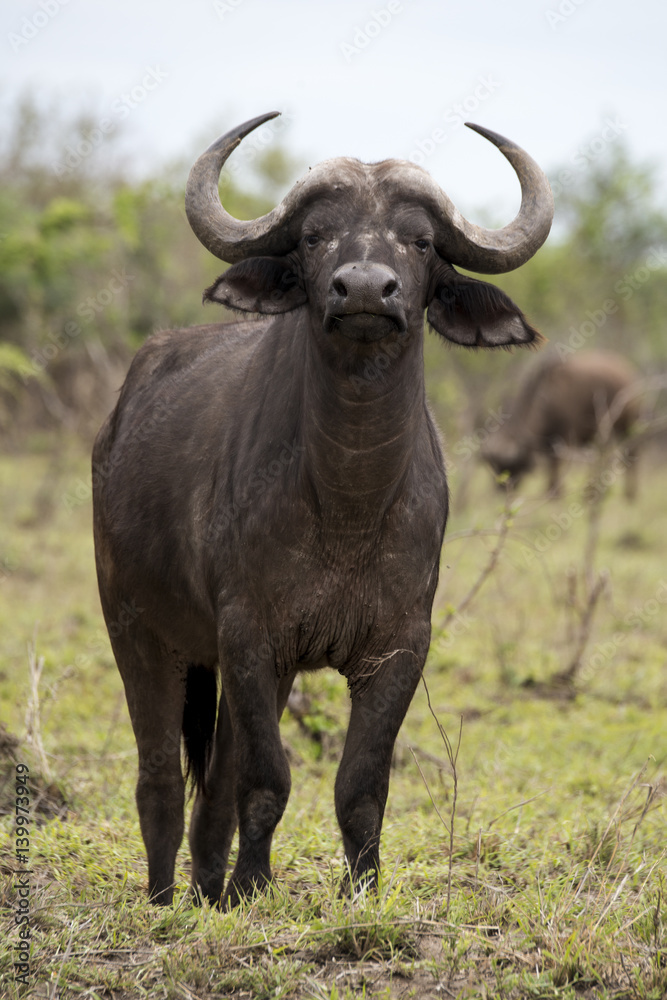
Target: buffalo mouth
<point>365,327</point>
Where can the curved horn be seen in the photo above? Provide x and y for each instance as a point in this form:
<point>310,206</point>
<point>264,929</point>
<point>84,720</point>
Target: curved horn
<point>486,251</point>
<point>494,251</point>
<point>226,237</point>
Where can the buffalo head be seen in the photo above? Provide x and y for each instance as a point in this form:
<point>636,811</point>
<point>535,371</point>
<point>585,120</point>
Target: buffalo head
<point>508,455</point>
<point>368,247</point>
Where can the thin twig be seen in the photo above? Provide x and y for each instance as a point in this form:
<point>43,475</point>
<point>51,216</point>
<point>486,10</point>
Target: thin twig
<point>75,928</point>
<point>487,570</point>
<point>452,755</point>
<point>585,625</point>
<point>33,725</point>
<point>517,806</point>
<point>430,794</point>
<point>443,765</point>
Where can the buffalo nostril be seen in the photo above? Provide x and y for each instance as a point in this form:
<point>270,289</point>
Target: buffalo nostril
<point>339,288</point>
<point>390,289</point>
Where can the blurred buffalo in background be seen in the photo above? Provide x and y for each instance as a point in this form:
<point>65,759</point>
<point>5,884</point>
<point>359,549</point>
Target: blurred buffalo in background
<point>564,403</point>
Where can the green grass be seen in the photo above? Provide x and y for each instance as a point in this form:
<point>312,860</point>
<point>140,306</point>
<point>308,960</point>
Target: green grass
<point>558,869</point>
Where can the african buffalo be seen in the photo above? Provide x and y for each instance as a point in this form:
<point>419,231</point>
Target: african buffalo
<point>271,509</point>
<point>566,401</point>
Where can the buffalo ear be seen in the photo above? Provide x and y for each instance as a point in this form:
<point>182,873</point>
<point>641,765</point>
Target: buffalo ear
<point>477,314</point>
<point>260,284</point>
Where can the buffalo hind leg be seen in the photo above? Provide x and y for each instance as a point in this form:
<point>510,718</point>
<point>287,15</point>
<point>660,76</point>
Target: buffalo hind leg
<point>155,691</point>
<point>214,817</point>
<point>362,782</point>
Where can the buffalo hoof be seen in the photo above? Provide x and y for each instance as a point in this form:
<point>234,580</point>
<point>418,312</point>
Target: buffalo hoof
<point>239,889</point>
<point>198,898</point>
<point>356,887</point>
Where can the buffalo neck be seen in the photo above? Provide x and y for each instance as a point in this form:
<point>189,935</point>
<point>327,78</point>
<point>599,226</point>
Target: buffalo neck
<point>363,406</point>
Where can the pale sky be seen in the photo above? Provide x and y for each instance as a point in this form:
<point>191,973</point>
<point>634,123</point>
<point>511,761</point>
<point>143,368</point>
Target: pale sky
<point>394,78</point>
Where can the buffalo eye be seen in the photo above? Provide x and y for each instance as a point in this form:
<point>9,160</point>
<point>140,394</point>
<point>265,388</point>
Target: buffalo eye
<point>422,245</point>
<point>312,240</point>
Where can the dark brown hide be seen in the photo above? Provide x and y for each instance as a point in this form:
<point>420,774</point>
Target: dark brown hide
<point>566,402</point>
<point>271,495</point>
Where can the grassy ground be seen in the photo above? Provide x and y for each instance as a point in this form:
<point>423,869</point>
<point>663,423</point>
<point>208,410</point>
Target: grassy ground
<point>555,886</point>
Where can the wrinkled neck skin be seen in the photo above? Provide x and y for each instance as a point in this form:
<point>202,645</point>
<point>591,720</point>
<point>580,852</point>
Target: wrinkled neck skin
<point>363,405</point>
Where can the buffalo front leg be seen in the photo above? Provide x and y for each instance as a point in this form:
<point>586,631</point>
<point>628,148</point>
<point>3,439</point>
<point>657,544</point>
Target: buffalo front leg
<point>630,459</point>
<point>214,816</point>
<point>362,783</point>
<point>553,469</point>
<point>256,697</point>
